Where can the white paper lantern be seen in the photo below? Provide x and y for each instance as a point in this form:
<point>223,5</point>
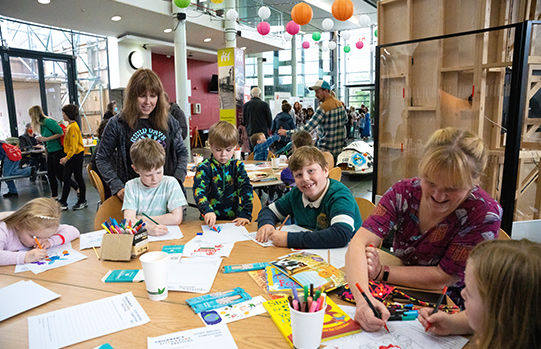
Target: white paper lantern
<point>264,12</point>
<point>324,46</point>
<point>231,14</point>
<point>287,36</point>
<point>327,24</point>
<point>364,20</point>
<point>332,45</point>
<point>346,35</point>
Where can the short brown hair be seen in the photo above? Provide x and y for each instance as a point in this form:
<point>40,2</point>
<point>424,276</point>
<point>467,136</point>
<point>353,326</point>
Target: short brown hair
<point>255,137</point>
<point>286,107</point>
<point>302,139</point>
<point>71,111</point>
<point>147,154</point>
<point>457,156</point>
<point>223,134</point>
<point>306,156</point>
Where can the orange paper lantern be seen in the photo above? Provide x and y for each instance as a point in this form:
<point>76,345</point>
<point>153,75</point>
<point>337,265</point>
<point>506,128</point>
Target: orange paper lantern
<point>301,13</point>
<point>342,10</point>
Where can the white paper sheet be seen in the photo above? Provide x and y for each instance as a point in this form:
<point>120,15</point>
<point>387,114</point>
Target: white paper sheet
<point>204,337</point>
<point>22,296</point>
<point>233,312</point>
<point>403,334</point>
<point>229,233</point>
<point>174,233</point>
<point>82,322</point>
<point>192,274</point>
<point>91,239</point>
<point>57,256</point>
<point>264,244</point>
<point>196,248</point>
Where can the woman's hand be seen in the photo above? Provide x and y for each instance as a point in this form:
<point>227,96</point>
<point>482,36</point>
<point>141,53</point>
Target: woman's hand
<point>35,255</point>
<point>264,233</point>
<point>210,219</point>
<point>241,221</point>
<point>366,318</point>
<point>372,262</point>
<point>120,194</point>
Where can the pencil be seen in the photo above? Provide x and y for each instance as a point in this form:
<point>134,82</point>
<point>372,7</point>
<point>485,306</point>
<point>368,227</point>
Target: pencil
<point>284,222</point>
<point>96,252</point>
<point>37,242</point>
<point>376,312</point>
<point>437,307</point>
<point>153,221</point>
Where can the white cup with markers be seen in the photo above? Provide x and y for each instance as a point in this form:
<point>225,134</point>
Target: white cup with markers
<point>237,154</point>
<point>275,163</point>
<point>155,271</point>
<point>197,159</point>
<point>307,326</point>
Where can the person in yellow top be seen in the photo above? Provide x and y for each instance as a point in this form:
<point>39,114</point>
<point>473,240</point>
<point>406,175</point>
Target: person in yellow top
<point>73,161</point>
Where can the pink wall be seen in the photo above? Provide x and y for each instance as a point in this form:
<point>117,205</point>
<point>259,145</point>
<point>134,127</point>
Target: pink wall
<point>199,73</point>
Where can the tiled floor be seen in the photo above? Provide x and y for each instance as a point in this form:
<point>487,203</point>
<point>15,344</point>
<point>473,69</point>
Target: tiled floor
<point>360,186</point>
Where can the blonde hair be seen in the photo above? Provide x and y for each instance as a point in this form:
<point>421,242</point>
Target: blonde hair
<point>306,156</point>
<point>147,154</point>
<point>141,81</point>
<point>508,274</point>
<point>458,157</point>
<point>223,134</point>
<point>36,214</point>
<point>37,117</point>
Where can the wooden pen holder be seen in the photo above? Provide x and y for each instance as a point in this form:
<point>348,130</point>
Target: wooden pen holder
<point>123,247</point>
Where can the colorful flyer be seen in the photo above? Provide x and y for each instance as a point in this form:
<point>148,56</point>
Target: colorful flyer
<point>235,312</point>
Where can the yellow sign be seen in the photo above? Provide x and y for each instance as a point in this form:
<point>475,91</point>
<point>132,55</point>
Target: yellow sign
<point>226,57</point>
<point>228,115</point>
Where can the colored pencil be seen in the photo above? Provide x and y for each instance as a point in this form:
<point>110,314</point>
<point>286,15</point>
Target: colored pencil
<point>153,221</point>
<point>284,222</point>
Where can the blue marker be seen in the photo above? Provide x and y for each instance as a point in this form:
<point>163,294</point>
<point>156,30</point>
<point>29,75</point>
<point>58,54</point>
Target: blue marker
<point>295,294</point>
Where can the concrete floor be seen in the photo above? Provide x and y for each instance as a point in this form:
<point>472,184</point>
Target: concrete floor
<point>360,186</point>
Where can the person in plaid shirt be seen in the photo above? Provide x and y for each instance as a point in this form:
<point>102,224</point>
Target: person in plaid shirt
<point>330,116</point>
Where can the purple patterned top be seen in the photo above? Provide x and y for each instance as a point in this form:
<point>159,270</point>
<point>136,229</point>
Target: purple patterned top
<point>448,243</point>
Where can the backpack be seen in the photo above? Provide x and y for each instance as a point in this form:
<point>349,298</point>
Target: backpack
<point>12,152</point>
<point>61,139</point>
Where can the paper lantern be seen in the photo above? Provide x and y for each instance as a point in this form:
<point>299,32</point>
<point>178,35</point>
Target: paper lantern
<point>316,36</point>
<point>332,45</point>
<point>287,36</point>
<point>217,1</point>
<point>342,10</point>
<point>264,12</point>
<point>324,46</point>
<point>347,48</point>
<point>263,28</point>
<point>359,44</point>
<point>292,28</point>
<point>231,14</point>
<point>346,35</point>
<point>301,13</point>
<point>182,3</point>
<point>376,33</point>
<point>306,44</point>
<point>327,24</point>
<point>364,21</point>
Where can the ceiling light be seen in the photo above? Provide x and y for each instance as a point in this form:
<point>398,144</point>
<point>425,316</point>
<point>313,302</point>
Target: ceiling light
<point>116,18</point>
<point>207,40</point>
<point>167,30</point>
<point>44,2</point>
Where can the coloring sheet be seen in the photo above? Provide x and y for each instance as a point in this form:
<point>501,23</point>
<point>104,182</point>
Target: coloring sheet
<point>196,248</point>
<point>403,335</point>
<point>204,337</point>
<point>192,274</point>
<point>57,256</point>
<point>233,312</point>
<point>228,233</point>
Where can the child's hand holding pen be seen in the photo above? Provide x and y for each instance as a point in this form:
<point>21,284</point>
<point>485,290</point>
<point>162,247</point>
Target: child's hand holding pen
<point>36,254</point>
<point>210,219</point>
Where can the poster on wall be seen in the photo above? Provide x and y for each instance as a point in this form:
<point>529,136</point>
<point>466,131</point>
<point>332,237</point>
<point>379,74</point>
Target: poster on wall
<point>231,83</point>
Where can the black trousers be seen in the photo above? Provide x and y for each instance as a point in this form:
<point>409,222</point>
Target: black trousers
<point>74,166</point>
<point>55,170</point>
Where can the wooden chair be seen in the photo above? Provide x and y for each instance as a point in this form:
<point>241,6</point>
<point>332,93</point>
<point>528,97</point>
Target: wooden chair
<point>196,139</point>
<point>366,207</point>
<point>329,158</point>
<point>256,207</point>
<point>96,182</point>
<point>111,207</point>
<point>335,173</point>
<point>502,235</point>
<point>250,156</point>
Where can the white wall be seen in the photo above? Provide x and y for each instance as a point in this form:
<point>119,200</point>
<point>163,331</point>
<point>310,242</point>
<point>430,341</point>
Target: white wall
<point>119,68</point>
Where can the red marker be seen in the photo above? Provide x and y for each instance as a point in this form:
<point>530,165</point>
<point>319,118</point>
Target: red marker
<point>437,306</point>
<point>376,312</point>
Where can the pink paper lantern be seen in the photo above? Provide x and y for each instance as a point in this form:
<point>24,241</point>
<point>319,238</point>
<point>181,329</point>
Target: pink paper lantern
<point>306,44</point>
<point>263,28</point>
<point>292,28</point>
<point>359,44</point>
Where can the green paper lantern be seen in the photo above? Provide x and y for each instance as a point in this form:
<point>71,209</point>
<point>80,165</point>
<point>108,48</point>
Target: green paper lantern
<point>182,3</point>
<point>376,33</point>
<point>347,48</point>
<point>316,36</point>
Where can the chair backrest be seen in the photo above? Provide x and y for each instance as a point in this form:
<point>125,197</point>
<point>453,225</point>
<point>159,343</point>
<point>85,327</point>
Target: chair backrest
<point>366,207</point>
<point>88,171</point>
<point>256,207</point>
<point>329,158</point>
<point>250,156</point>
<point>96,182</point>
<point>335,173</point>
<point>502,235</point>
<point>111,207</point>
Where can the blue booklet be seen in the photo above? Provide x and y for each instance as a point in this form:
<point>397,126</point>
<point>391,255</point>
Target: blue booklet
<point>124,275</point>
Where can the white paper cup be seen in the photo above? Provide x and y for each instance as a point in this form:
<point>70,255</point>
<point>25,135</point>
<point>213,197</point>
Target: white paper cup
<point>155,271</point>
<point>236,154</point>
<point>197,160</point>
<point>307,328</point>
<point>275,163</point>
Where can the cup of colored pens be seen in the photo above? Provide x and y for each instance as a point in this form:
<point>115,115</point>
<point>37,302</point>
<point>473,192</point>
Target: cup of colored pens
<point>307,311</point>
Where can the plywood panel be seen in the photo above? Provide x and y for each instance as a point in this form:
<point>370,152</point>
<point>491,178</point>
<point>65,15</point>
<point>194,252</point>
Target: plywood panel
<point>393,22</point>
